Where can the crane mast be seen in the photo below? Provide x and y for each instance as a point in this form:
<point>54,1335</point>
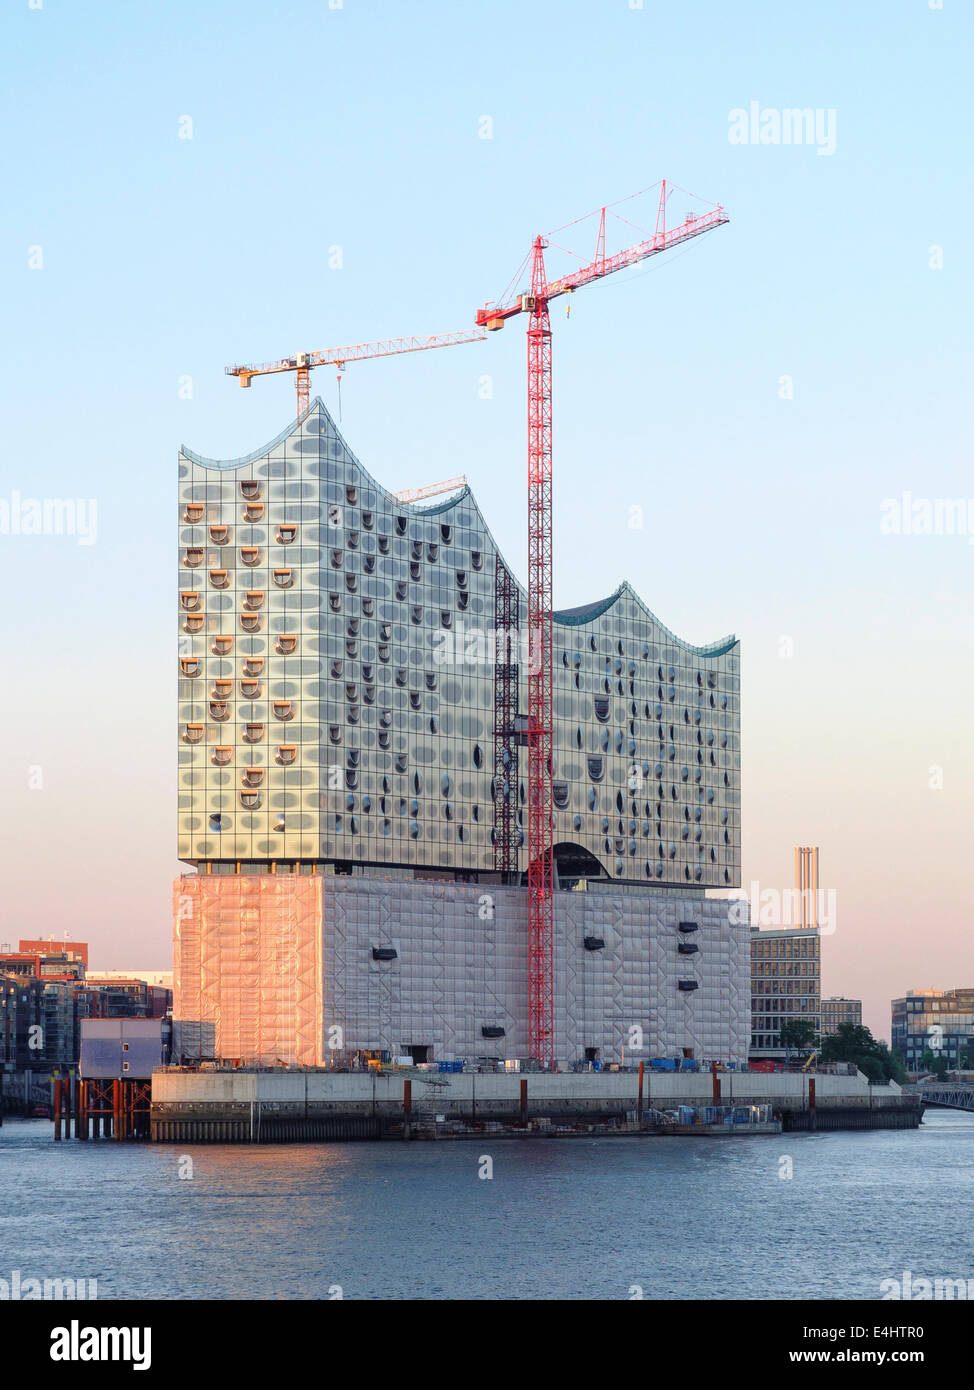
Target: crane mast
<point>540,802</point>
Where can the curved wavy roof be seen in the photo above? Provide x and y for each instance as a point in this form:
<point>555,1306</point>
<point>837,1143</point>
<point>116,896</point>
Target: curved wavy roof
<point>588,612</point>
<point>567,617</point>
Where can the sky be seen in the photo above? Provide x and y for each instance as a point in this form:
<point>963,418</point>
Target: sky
<point>765,432</point>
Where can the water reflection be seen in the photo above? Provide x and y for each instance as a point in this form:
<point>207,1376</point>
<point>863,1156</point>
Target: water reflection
<point>587,1218</point>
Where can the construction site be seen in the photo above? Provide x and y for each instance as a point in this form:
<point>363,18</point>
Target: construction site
<point>426,814</point>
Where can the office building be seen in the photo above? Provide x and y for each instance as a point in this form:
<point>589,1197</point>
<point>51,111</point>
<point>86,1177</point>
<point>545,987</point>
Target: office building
<point>840,1010</point>
<point>935,1021</point>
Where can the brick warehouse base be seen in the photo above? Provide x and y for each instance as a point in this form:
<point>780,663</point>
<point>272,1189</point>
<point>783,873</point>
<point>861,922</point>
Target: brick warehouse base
<point>298,969</point>
<point>247,968</point>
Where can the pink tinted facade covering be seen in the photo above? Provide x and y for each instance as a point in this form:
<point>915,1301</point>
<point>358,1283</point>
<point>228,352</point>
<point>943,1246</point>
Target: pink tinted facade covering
<point>247,968</point>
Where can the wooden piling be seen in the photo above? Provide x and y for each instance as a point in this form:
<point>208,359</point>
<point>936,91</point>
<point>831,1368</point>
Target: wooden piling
<point>58,1097</point>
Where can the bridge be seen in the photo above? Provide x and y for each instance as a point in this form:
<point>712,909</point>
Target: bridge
<point>944,1095</point>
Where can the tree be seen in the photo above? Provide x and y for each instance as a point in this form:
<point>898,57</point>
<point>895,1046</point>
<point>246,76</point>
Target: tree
<point>897,1066</point>
<point>850,1040</point>
<point>853,1042</point>
<point>871,1067</point>
<point>934,1062</point>
<point>797,1033</point>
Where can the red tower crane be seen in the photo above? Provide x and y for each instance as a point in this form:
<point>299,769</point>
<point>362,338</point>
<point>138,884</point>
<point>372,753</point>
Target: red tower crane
<point>539,722</point>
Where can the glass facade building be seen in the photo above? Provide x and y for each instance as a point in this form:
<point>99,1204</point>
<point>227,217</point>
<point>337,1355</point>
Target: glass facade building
<point>938,1021</point>
<point>336,690</point>
<point>357,825</point>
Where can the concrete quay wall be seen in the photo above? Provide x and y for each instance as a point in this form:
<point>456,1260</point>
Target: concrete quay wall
<point>240,1105</point>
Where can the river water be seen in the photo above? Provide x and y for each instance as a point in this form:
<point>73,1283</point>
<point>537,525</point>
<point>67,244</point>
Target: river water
<point>559,1218</point>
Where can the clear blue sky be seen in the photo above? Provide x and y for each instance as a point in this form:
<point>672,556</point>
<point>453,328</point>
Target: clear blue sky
<point>359,127</point>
